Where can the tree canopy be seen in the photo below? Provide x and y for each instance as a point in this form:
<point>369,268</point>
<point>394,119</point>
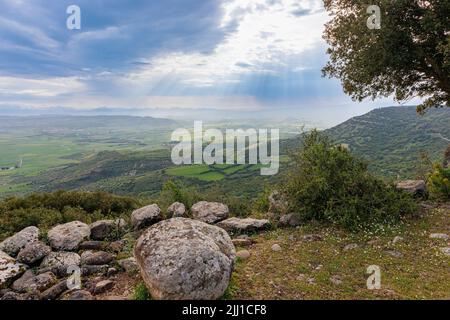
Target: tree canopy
<point>408,56</point>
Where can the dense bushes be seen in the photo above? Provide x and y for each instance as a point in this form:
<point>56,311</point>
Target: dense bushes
<point>439,182</point>
<point>48,209</point>
<point>328,183</point>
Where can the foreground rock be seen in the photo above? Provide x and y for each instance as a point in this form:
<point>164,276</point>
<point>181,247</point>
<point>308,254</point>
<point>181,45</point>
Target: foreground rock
<point>60,262</point>
<point>237,225</point>
<point>209,212</point>
<point>185,259</point>
<point>34,283</point>
<point>96,258</point>
<point>414,187</point>
<point>129,265</point>
<point>9,269</point>
<point>68,236</point>
<point>33,253</point>
<point>146,216</point>
<point>176,210</point>
<point>107,229</point>
<point>14,244</point>
<point>78,295</point>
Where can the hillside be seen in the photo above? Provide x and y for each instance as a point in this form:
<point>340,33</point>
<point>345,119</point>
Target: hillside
<point>392,139</point>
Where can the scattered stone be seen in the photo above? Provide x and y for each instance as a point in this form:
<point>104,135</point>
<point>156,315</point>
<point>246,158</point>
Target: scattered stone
<point>96,258</point>
<point>129,265</point>
<point>336,280</point>
<point>30,282</point>
<point>301,277</point>
<point>9,269</point>
<point>312,237</point>
<point>351,246</point>
<point>146,216</point>
<point>276,248</point>
<point>289,220</point>
<point>78,295</point>
<point>92,245</point>
<point>441,236</point>
<point>209,212</point>
<point>60,262</point>
<point>111,272</point>
<point>33,253</point>
<point>103,286</point>
<point>15,243</point>
<point>445,250</point>
<point>107,229</point>
<point>397,239</point>
<point>311,281</point>
<point>68,236</point>
<point>117,246</point>
<point>176,210</point>
<point>11,296</point>
<point>242,242</point>
<point>394,253</point>
<point>55,291</point>
<point>414,187</point>
<point>243,254</point>
<point>237,225</point>
<point>185,259</point>
<point>88,270</point>
<point>373,242</point>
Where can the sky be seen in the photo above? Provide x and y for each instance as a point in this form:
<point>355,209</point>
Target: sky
<point>231,55</point>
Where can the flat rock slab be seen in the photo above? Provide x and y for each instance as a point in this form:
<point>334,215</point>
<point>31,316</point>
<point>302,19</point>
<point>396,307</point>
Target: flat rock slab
<point>412,186</point>
<point>15,243</point>
<point>237,225</point>
<point>96,258</point>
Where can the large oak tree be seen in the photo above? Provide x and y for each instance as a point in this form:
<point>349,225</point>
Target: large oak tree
<point>409,56</point>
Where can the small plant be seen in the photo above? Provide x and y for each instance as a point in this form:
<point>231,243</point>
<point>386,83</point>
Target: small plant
<point>439,182</point>
<point>141,292</point>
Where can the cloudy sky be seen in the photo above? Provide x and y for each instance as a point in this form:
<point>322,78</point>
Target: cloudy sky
<point>217,54</point>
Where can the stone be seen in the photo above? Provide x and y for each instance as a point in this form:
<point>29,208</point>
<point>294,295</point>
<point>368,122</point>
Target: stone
<point>15,243</point>
<point>336,280</point>
<point>107,229</point>
<point>397,239</point>
<point>129,265</point>
<point>11,296</point>
<point>30,282</point>
<point>394,253</point>
<point>351,246</point>
<point>247,225</point>
<point>111,272</point>
<point>176,210</point>
<point>33,253</point>
<point>414,187</point>
<point>445,251</point>
<point>78,295</point>
<point>92,245</point>
<point>276,248</point>
<point>289,220</point>
<point>441,236</point>
<point>209,212</point>
<point>243,254</point>
<point>184,259</point>
<point>68,236</point>
<point>96,258</point>
<point>103,286</point>
<point>146,216</point>
<point>242,242</point>
<point>117,246</point>
<point>55,291</point>
<point>311,237</point>
<point>9,269</point>
<point>89,270</point>
<point>60,262</point>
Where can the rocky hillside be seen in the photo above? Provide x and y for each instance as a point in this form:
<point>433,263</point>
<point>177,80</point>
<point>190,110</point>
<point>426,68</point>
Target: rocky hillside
<point>205,254</point>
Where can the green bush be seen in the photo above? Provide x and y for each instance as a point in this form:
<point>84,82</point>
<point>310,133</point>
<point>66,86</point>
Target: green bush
<point>328,183</point>
<point>141,292</point>
<point>439,182</point>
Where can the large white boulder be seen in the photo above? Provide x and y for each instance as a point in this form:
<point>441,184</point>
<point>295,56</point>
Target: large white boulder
<point>183,259</point>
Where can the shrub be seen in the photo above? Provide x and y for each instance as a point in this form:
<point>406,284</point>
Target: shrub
<point>328,183</point>
<point>439,182</point>
<point>141,292</point>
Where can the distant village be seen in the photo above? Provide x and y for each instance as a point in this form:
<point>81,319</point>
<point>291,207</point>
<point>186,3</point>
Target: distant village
<point>17,166</point>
